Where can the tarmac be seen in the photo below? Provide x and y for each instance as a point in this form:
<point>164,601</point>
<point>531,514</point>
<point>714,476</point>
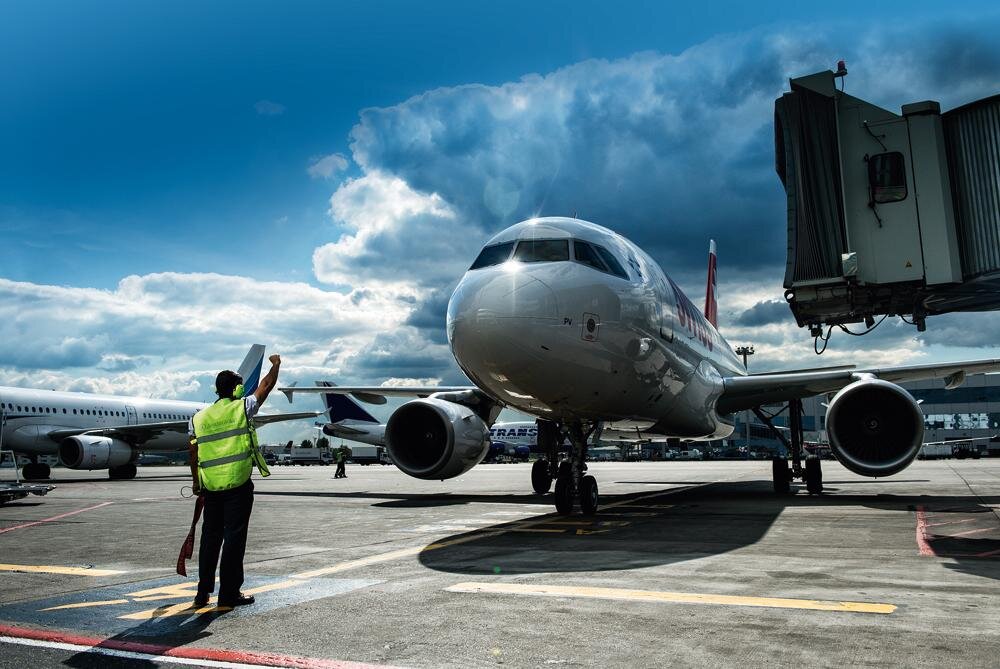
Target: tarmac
<point>686,564</point>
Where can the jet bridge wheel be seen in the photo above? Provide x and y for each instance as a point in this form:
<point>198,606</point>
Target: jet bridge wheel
<point>814,475</point>
<point>564,494</point>
<point>35,471</point>
<point>588,495</point>
<point>781,475</point>
<point>541,480</point>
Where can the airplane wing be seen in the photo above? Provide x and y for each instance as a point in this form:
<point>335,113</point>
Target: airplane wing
<point>375,394</point>
<point>139,434</point>
<point>747,392</point>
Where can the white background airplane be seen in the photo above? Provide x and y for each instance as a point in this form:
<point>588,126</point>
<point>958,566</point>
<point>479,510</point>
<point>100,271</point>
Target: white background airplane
<point>89,431</point>
<point>574,324</point>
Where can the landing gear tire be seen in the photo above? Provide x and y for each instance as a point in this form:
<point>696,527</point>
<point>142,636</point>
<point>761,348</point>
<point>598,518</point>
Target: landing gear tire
<point>122,473</point>
<point>564,495</point>
<point>35,472</point>
<point>814,476</point>
<point>781,476</point>
<point>540,479</point>
<point>588,495</point>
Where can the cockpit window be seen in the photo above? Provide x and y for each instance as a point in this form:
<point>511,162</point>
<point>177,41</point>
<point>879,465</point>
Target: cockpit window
<point>542,250</point>
<point>613,265</point>
<point>587,255</point>
<point>493,255</point>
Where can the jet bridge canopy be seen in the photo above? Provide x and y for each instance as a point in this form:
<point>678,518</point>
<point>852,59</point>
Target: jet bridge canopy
<point>888,214</point>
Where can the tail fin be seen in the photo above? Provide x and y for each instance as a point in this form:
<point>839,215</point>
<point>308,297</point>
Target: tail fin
<point>342,407</point>
<point>711,302</point>
<point>250,368</point>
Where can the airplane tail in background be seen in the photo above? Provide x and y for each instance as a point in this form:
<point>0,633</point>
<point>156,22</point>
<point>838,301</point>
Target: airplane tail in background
<point>342,407</point>
<point>251,367</point>
<point>711,303</point>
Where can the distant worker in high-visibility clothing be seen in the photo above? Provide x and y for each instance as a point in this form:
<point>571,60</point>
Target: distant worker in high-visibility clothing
<point>224,451</point>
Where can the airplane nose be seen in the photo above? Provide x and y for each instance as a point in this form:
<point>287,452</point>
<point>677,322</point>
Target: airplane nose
<point>488,307</point>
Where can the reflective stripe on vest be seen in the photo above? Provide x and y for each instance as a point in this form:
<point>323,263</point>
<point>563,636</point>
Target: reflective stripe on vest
<point>225,444</point>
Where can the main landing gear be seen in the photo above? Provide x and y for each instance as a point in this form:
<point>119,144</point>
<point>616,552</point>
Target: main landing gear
<point>571,483</point>
<point>122,473</point>
<point>35,471</point>
<point>782,475</point>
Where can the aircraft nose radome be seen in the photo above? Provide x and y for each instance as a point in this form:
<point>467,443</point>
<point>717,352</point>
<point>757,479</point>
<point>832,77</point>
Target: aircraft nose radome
<point>501,294</point>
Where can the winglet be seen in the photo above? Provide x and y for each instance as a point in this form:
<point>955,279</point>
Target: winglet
<point>289,391</point>
<point>711,302</point>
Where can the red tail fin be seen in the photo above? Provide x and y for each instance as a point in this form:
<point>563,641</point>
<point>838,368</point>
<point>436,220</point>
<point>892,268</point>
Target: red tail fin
<point>711,305</point>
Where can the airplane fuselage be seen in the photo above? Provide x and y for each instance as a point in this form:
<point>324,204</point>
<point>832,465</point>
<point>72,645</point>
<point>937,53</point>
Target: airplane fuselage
<point>567,320</point>
<point>30,415</point>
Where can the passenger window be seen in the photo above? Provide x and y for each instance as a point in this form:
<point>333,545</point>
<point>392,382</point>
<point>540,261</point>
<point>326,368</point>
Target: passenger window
<point>585,254</point>
<point>493,255</point>
<point>74,412</point>
<point>542,250</point>
<point>612,262</point>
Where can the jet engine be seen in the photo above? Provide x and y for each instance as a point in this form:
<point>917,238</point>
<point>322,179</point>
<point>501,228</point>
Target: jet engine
<point>876,428</point>
<point>85,452</point>
<point>435,439</point>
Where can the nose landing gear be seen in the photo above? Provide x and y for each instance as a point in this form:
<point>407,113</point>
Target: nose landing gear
<point>571,483</point>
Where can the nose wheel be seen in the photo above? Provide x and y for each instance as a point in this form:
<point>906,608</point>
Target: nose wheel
<point>571,483</point>
<point>541,478</point>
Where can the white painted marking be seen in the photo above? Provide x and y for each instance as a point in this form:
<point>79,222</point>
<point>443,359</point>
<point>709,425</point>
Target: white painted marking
<point>126,654</point>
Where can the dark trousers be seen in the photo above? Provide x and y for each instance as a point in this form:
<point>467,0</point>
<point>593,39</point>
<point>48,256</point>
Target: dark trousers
<point>340,473</point>
<point>226,520</point>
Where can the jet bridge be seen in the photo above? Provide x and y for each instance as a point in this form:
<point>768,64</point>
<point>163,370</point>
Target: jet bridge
<point>888,214</point>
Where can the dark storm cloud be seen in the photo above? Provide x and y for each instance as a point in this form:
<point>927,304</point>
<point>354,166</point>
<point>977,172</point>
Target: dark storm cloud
<point>765,313</point>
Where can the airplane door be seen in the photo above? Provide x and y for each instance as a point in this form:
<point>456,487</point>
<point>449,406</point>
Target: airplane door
<point>131,418</point>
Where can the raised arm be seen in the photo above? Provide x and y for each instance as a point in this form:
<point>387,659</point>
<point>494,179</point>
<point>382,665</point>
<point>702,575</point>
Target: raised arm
<point>267,384</point>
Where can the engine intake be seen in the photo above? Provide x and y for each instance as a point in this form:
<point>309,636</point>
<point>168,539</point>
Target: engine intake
<point>83,452</point>
<point>436,439</point>
<point>876,428</point>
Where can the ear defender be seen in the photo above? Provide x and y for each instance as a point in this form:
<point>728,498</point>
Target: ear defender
<point>238,392</point>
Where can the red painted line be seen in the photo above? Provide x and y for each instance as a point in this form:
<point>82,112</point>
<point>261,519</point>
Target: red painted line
<point>989,553</point>
<point>923,543</point>
<point>216,654</point>
<point>61,515</point>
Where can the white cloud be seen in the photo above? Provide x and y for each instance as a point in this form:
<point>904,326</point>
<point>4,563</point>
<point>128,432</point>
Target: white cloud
<point>269,108</point>
<point>327,166</point>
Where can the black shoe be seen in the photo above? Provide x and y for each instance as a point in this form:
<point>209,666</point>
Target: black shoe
<point>201,600</point>
<point>241,600</point>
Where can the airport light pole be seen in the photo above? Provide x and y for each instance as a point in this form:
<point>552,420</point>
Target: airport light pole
<point>746,352</point>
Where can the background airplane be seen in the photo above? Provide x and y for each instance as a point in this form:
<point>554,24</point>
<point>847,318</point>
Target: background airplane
<point>572,323</point>
<point>89,431</point>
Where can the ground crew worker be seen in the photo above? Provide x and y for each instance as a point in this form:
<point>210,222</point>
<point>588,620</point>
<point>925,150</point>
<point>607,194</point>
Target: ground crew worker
<point>342,454</point>
<point>223,453</point>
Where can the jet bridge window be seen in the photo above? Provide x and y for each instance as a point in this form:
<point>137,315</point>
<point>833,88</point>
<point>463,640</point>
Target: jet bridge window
<point>542,250</point>
<point>887,177</point>
<point>493,255</point>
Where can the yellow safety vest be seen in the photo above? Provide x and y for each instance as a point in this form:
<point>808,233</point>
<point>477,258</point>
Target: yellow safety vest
<point>227,446</point>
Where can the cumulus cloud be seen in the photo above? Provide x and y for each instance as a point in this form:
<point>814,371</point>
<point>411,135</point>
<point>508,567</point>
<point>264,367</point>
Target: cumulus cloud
<point>269,108</point>
<point>667,149</point>
<point>326,167</point>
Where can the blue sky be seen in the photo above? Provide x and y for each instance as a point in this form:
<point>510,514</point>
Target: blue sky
<point>145,149</point>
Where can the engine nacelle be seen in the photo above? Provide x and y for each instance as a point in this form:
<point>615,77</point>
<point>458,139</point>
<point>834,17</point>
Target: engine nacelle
<point>876,428</point>
<point>84,452</point>
<point>436,439</point>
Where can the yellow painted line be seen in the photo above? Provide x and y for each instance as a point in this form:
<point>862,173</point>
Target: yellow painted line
<point>185,589</point>
<point>55,569</point>
<point>669,597</point>
<point>84,605</point>
<point>184,609</point>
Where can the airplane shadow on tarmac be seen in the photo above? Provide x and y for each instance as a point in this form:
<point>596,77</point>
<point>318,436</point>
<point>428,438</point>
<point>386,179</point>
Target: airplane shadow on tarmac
<point>690,524</point>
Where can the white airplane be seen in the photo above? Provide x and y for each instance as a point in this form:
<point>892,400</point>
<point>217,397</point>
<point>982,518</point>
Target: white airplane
<point>574,324</point>
<point>89,431</point>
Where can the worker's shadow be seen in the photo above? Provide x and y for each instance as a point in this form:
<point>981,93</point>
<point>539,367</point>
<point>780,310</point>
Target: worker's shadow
<point>156,636</point>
